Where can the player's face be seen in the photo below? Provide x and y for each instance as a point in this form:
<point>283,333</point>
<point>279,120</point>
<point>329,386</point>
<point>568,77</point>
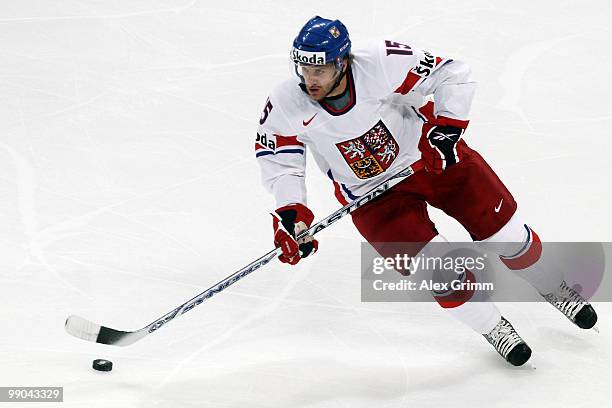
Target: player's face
<point>319,79</point>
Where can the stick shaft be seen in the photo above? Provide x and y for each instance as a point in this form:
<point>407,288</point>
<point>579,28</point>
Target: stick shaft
<point>314,229</point>
<point>84,329</point>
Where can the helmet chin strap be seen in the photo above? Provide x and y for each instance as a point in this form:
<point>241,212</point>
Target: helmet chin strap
<point>338,80</point>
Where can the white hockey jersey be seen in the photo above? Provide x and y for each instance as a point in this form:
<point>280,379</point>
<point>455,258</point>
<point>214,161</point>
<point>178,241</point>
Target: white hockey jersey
<point>374,136</point>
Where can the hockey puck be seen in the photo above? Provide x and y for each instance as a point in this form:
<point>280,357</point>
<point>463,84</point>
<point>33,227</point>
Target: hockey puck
<point>102,365</point>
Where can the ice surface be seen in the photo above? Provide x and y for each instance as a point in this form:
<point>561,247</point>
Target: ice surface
<point>128,185</point>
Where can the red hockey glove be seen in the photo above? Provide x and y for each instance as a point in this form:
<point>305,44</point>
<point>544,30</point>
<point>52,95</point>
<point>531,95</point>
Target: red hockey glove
<point>438,146</point>
<point>295,218</point>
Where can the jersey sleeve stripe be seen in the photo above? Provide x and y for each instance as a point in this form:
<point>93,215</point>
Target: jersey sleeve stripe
<point>427,111</point>
<point>412,78</point>
<point>409,82</point>
<point>300,151</point>
<point>444,121</point>
<point>282,141</point>
<point>267,152</point>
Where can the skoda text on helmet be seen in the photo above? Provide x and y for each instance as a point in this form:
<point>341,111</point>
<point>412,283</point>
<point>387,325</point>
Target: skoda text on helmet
<point>320,42</point>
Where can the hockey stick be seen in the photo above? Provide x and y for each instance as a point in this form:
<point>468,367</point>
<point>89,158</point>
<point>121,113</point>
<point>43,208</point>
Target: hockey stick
<point>90,331</point>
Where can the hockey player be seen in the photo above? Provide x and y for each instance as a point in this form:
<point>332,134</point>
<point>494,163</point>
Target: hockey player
<point>365,115</point>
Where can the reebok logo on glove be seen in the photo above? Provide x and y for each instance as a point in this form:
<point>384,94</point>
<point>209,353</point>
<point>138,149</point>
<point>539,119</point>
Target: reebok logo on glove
<point>439,146</point>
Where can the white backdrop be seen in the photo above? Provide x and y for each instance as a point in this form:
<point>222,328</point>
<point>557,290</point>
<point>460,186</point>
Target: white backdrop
<point>128,185</point>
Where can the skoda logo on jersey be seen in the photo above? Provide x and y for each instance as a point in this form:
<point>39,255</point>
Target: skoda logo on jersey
<point>306,57</point>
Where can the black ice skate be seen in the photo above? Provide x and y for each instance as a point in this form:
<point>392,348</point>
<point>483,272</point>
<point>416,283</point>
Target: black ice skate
<point>573,306</point>
<point>508,343</point>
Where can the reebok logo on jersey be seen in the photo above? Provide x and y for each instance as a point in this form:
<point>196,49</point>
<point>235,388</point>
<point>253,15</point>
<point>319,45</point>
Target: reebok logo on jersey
<point>307,122</point>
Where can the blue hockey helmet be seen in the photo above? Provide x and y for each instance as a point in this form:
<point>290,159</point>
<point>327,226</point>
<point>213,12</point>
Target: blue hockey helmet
<point>321,41</point>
